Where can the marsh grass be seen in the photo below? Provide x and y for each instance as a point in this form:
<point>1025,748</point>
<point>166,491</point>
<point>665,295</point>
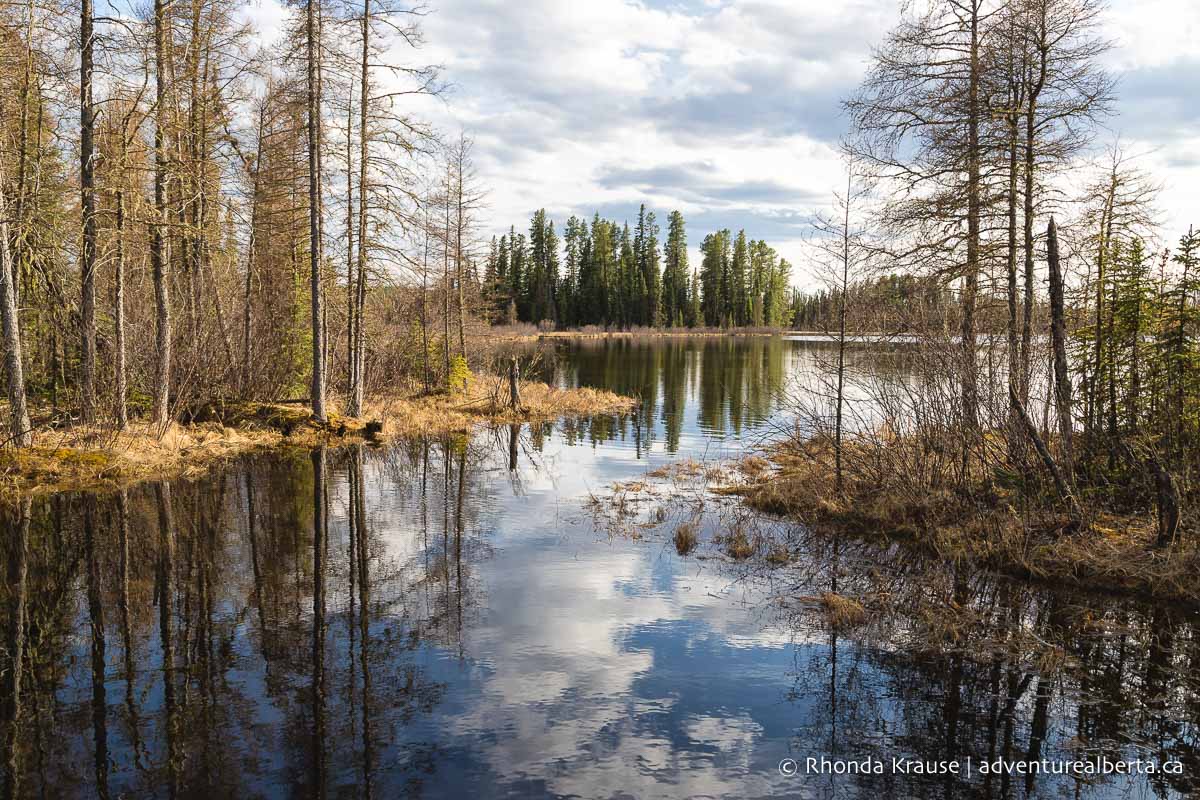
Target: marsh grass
<point>738,544</point>
<point>988,525</point>
<point>91,457</point>
<point>843,612</point>
<point>686,537</point>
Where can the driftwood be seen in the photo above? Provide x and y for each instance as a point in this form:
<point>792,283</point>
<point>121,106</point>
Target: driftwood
<point>1060,483</point>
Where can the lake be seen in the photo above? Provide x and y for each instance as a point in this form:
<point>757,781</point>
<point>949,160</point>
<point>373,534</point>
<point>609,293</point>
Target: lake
<point>489,616</point>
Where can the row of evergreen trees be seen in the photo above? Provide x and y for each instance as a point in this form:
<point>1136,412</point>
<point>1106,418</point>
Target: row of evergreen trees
<point>605,273</point>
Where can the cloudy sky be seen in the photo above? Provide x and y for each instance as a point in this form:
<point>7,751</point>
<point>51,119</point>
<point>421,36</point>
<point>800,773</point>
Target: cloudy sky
<point>729,110</point>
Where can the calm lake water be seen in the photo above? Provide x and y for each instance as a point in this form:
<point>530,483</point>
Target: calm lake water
<point>475,618</point>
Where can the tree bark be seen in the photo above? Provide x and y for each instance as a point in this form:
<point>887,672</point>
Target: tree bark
<point>458,250</point>
<point>20,431</point>
<point>970,388</point>
<point>446,280</point>
<point>364,91</point>
<point>350,223</point>
<point>1034,91</point>
<point>1015,365</point>
<point>1058,336</point>
<point>122,406</point>
<point>841,356</point>
<point>87,190</point>
<point>313,102</point>
<point>1064,488</point>
<point>159,258</point>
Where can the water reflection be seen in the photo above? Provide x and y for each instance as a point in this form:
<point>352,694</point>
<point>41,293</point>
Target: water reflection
<point>443,619</point>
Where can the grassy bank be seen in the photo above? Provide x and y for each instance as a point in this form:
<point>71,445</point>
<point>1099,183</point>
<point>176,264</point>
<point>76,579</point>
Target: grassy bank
<point>989,524</point>
<point>81,457</point>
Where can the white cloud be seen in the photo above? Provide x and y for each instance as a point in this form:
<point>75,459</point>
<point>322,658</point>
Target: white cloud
<point>563,96</point>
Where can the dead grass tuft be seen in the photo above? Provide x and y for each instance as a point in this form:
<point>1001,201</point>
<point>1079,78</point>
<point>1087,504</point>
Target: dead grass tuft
<point>843,612</point>
<point>738,545</point>
<point>686,537</point>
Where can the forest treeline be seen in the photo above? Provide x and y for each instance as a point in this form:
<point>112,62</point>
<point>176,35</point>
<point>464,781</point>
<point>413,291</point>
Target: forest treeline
<point>605,273</point>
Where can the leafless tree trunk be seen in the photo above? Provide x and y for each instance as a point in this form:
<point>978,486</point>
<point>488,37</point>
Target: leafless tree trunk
<point>158,247</point>
<point>446,276</point>
<point>255,189</point>
<point>1060,483</point>
<point>459,224</point>
<point>424,307</point>
<point>87,188</point>
<point>970,389</point>
<point>1033,91</point>
<point>350,222</point>
<point>313,102</point>
<point>841,356</point>
<point>121,389</point>
<point>10,320</point>
<point>1058,335</point>
<point>364,91</point>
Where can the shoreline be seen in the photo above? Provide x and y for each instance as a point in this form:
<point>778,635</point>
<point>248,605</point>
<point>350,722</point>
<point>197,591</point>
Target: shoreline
<point>647,333</point>
<point>1107,552</point>
<point>98,458</point>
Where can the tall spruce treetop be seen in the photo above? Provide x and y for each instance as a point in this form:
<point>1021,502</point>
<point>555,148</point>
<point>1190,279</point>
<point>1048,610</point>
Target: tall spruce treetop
<point>675,272</point>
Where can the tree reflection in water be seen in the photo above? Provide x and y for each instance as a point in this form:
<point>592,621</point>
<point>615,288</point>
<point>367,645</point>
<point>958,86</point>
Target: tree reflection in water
<point>440,619</point>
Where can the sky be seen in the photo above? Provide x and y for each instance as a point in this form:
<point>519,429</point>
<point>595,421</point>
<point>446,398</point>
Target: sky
<point>730,110</point>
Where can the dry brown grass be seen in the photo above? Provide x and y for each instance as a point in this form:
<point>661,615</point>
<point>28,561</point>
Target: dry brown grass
<point>778,554</point>
<point>1107,552</point>
<point>435,414</point>
<point>686,537</point>
<point>83,457</point>
<point>843,612</point>
<point>738,545</point>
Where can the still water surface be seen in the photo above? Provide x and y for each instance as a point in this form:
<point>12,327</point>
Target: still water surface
<point>454,619</point>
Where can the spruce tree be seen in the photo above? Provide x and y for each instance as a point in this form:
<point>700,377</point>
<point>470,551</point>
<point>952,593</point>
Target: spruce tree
<point>675,272</point>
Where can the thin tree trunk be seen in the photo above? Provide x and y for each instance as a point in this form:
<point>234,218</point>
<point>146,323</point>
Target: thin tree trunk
<point>247,304</point>
<point>1015,364</point>
<point>19,243</point>
<point>1064,489</point>
<point>841,357</point>
<point>458,255</point>
<point>364,91</point>
<point>159,257</point>
<point>970,389</point>
<point>87,189</point>
<point>424,309</point>
<point>122,405</point>
<point>320,67</point>
<point>1058,335</point>
<point>10,322</point>
<point>1035,89</point>
<point>350,220</point>
<point>313,101</point>
<point>446,280</point>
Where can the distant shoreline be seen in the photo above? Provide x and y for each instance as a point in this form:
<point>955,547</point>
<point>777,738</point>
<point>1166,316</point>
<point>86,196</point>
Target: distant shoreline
<point>699,333</point>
